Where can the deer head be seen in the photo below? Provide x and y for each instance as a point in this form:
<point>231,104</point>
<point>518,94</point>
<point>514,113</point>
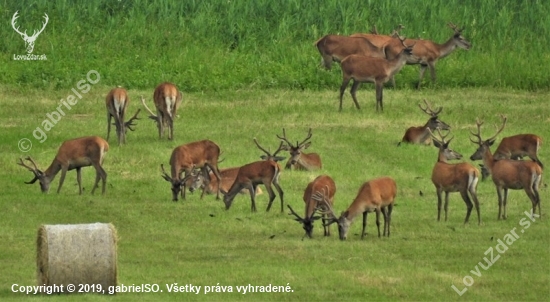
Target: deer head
<point>38,174</point>
<point>29,41</point>
<point>434,122</point>
<point>484,145</point>
<point>444,150</point>
<point>295,150</point>
<point>461,41</point>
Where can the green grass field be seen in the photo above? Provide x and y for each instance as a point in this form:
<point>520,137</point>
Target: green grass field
<point>198,242</point>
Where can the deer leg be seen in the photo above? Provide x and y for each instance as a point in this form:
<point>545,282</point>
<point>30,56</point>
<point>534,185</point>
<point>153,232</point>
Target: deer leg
<point>353,92</point>
<point>251,190</point>
<point>469,205</point>
<point>364,230</point>
<point>326,61</point>
<point>446,206</point>
<point>438,204</point>
<point>378,221</point>
<point>108,124</point>
<point>280,191</point>
<point>271,195</point>
<point>79,180</point>
<point>100,174</point>
<point>216,172</point>
<point>393,81</point>
<point>504,201</point>
<point>62,178</point>
<point>422,71</point>
<point>499,194</point>
<point>388,215</point>
<point>379,95</point>
<point>343,87</point>
<point>431,65</point>
<point>536,191</point>
<point>121,129</point>
<point>160,123</point>
<point>473,192</point>
<point>170,121</point>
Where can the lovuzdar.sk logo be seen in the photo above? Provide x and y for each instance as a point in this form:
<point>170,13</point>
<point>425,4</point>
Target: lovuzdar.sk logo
<point>29,40</point>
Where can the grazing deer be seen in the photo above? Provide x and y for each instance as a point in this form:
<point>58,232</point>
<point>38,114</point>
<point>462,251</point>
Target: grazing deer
<point>73,154</point>
<point>298,159</point>
<point>519,146</point>
<point>508,173</point>
<point>264,172</point>
<point>228,176</point>
<point>185,158</point>
<point>421,134</point>
<point>427,53</point>
<point>364,69</point>
<point>375,195</point>
<point>325,184</point>
<point>116,103</point>
<point>448,178</point>
<point>336,48</point>
<point>167,99</point>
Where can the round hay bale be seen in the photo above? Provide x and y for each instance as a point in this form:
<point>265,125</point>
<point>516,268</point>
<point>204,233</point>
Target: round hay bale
<point>77,254</point>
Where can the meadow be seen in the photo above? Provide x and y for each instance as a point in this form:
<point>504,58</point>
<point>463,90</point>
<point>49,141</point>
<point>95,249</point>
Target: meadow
<point>248,70</point>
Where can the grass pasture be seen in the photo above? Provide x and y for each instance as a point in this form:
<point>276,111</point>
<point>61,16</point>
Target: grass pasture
<point>198,242</point>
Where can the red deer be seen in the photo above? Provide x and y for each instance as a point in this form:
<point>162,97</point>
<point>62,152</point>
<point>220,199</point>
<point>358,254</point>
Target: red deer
<point>322,183</point>
<point>116,102</point>
<point>73,154</point>
<point>264,172</point>
<point>421,134</point>
<point>298,159</point>
<point>185,158</point>
<point>427,53</point>
<point>448,178</point>
<point>228,176</point>
<point>336,48</point>
<point>519,146</point>
<point>375,195</point>
<point>167,99</point>
<point>364,69</point>
<point>508,173</point>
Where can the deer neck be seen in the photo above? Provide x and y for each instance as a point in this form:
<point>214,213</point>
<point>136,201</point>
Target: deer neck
<point>488,159</point>
<point>446,48</point>
<point>53,169</point>
<point>441,158</point>
<point>397,63</point>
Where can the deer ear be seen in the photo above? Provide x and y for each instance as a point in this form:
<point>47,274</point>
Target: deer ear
<point>263,157</point>
<point>436,144</point>
<point>306,145</point>
<point>166,178</point>
<point>491,142</point>
<point>279,158</point>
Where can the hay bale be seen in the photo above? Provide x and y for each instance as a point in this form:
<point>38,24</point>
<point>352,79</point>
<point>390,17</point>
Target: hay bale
<point>77,254</point>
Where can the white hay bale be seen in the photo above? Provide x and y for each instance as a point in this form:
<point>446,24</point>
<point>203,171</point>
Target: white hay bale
<point>77,254</point>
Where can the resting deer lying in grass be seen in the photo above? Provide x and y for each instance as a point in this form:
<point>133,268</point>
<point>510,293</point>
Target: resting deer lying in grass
<point>116,102</point>
<point>298,159</point>
<point>422,134</point>
<point>508,173</point>
<point>364,69</point>
<point>264,172</point>
<point>448,178</point>
<point>73,154</point>
<point>377,195</point>
<point>185,158</point>
<point>228,176</point>
<point>167,99</point>
<point>336,48</point>
<point>326,185</point>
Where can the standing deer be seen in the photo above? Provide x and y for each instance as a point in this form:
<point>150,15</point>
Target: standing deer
<point>376,195</point>
<point>508,173</point>
<point>427,53</point>
<point>421,134</point>
<point>167,99</point>
<point>116,102</point>
<point>298,159</point>
<point>336,48</point>
<point>519,146</point>
<point>448,178</point>
<point>322,183</point>
<point>185,158</point>
<point>264,172</point>
<point>228,176</point>
<point>364,69</point>
<point>73,154</point>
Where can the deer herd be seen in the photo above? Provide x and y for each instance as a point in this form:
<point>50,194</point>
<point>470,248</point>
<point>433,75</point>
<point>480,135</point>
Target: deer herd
<point>363,58</point>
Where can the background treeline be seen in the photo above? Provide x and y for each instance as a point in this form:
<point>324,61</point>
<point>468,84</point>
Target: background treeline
<point>236,44</point>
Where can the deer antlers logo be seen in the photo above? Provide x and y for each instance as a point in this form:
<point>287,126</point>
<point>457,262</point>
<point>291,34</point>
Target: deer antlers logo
<point>29,41</point>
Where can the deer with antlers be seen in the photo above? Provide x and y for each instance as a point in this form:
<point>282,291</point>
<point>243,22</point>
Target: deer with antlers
<point>298,159</point>
<point>29,41</point>
<point>202,154</point>
<point>73,154</point>
<point>448,178</point>
<point>427,53</point>
<point>377,195</point>
<point>116,102</point>
<point>364,69</point>
<point>228,176</point>
<point>422,134</point>
<point>508,173</point>
<point>167,99</point>
<point>336,48</point>
<point>326,185</point>
<point>264,172</point>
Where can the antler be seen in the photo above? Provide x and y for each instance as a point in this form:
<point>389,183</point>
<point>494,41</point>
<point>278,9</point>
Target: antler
<point>164,174</point>
<point>260,147</point>
<point>428,110</point>
<point>442,137</point>
<point>478,134</point>
<point>309,134</point>
<point>130,123</point>
<point>454,27</point>
<point>152,115</point>
<point>298,145</point>
<point>34,169</point>
<point>285,139</point>
<point>395,32</point>
<point>15,16</point>
<point>298,218</point>
<point>322,202</point>
<point>504,118</point>
<point>374,31</point>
